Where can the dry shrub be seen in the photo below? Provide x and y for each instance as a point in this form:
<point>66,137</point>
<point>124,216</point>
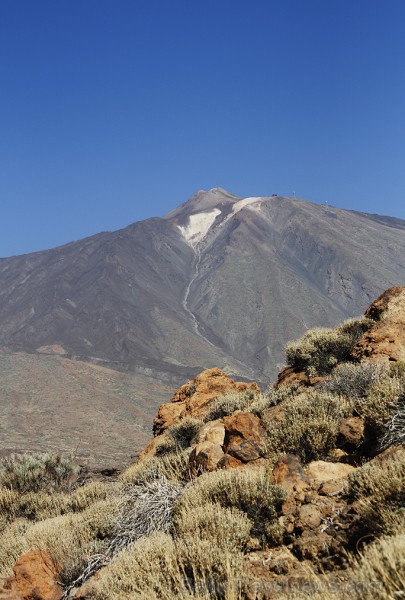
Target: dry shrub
<point>143,509</point>
<point>214,523</point>
<point>383,409</point>
<point>226,405</point>
<point>37,471</point>
<point>64,537</point>
<point>354,379</point>
<point>41,505</point>
<point>380,487</point>
<point>172,466</point>
<point>12,545</point>
<point>178,437</point>
<point>394,433</point>
<point>272,397</point>
<point>321,349</point>
<point>381,568</point>
<point>310,426</point>
<point>250,491</point>
<point>159,567</point>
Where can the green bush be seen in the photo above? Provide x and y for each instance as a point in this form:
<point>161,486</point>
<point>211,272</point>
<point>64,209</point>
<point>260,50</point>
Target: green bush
<point>34,472</point>
<point>321,349</point>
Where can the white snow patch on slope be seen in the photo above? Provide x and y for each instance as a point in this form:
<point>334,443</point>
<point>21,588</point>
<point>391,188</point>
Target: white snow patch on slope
<point>198,226</point>
<point>245,202</point>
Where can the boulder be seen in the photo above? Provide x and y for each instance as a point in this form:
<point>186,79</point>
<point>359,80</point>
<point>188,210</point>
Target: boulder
<point>319,471</point>
<point>35,577</point>
<point>244,435</point>
<point>351,433</point>
<point>290,375</point>
<point>213,431</point>
<point>309,517</point>
<point>385,340</point>
<point>288,472</point>
<point>195,397</point>
<point>205,457</point>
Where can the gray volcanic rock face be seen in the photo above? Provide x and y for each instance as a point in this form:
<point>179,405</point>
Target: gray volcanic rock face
<point>220,281</point>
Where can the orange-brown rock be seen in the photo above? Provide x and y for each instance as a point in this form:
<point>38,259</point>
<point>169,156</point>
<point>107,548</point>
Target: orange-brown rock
<point>351,432</point>
<point>290,375</point>
<point>35,578</point>
<point>309,517</point>
<point>213,431</point>
<point>288,472</point>
<point>195,397</point>
<point>319,471</point>
<point>385,340</point>
<point>205,457</point>
<point>244,435</point>
<point>229,462</point>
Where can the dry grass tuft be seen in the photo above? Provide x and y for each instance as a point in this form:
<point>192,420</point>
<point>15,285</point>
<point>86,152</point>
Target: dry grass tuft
<point>172,466</point>
<point>214,523</point>
<point>179,437</point>
<point>232,401</point>
<point>250,491</point>
<point>159,567</point>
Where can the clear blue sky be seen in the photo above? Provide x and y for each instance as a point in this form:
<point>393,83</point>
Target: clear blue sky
<point>115,111</point>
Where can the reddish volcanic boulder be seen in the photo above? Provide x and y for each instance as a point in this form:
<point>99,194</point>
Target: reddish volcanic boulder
<point>385,340</point>
<point>35,578</point>
<point>195,397</point>
<point>244,435</point>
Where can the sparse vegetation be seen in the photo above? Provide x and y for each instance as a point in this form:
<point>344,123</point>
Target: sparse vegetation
<point>321,349</point>
<point>162,531</point>
<point>213,522</point>
<point>383,409</point>
<point>173,466</point>
<point>179,437</point>
<point>380,488</point>
<point>310,426</point>
<point>35,472</point>
<point>251,492</point>
<point>353,380</point>
<point>272,397</point>
<point>231,402</point>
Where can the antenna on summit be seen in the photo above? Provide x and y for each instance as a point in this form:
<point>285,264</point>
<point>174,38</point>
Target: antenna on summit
<point>294,195</point>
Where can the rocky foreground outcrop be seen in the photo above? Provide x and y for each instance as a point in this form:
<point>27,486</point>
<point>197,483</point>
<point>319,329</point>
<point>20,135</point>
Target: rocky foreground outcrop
<point>194,397</point>
<point>319,520</point>
<point>385,340</point>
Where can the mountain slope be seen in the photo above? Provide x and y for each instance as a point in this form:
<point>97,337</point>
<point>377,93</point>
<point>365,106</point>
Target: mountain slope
<point>220,281</point>
<point>49,403</point>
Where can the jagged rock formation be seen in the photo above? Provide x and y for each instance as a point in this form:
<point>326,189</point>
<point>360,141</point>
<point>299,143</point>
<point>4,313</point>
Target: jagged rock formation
<point>384,341</point>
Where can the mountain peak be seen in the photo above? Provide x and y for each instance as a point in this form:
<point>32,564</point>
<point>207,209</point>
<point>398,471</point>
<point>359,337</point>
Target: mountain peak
<point>201,201</point>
